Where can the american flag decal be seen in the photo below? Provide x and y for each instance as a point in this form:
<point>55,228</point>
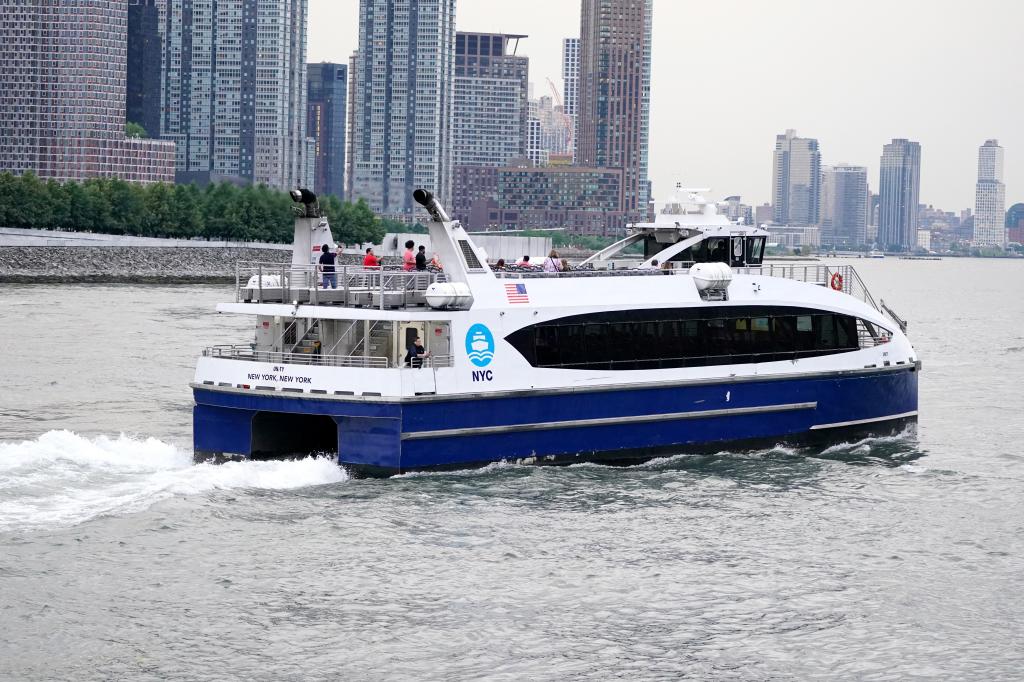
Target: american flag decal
<point>516,293</point>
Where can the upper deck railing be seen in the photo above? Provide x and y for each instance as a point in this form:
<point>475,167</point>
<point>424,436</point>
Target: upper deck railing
<point>392,288</point>
<point>249,354</point>
<point>848,280</point>
<point>353,285</point>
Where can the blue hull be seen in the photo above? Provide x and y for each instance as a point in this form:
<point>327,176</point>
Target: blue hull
<point>621,424</point>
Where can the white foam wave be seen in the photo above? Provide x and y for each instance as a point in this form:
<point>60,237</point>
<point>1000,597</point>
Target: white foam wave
<point>62,478</point>
<point>476,471</point>
<point>866,445</point>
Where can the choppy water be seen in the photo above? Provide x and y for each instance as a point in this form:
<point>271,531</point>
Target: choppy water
<point>889,558</point>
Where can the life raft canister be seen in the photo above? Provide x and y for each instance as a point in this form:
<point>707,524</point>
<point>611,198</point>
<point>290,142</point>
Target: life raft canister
<point>837,281</point>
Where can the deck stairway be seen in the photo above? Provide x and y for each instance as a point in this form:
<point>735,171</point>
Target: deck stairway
<point>309,343</point>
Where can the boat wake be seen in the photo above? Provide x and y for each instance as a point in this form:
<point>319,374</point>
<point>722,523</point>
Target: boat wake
<point>62,478</point>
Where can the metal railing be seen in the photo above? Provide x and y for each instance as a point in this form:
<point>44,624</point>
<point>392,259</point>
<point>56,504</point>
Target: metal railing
<point>849,281</point>
<point>839,277</point>
<point>438,361</point>
<point>356,285</point>
<point>247,353</point>
<point>870,335</point>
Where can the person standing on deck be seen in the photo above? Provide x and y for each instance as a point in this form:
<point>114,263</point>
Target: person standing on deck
<point>370,260</point>
<point>415,354</point>
<point>326,266</point>
<point>421,258</point>
<point>409,258</point>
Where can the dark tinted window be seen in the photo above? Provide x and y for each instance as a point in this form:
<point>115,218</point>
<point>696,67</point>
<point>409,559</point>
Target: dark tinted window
<point>684,337</point>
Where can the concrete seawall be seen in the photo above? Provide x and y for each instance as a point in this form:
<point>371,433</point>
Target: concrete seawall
<point>128,264</point>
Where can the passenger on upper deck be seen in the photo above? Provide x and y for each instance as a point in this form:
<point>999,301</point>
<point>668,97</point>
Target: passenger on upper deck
<point>326,266</point>
<point>524,263</point>
<point>551,263</point>
<point>435,263</point>
<point>370,260</point>
<point>409,258</point>
<point>500,265</point>
<point>653,265</point>
<point>565,265</point>
<point>421,258</point>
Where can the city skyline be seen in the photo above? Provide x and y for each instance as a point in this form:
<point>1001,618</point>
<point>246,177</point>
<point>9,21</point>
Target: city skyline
<point>949,98</point>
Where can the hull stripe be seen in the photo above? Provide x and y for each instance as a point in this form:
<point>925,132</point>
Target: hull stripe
<point>856,422</point>
<point>608,421</point>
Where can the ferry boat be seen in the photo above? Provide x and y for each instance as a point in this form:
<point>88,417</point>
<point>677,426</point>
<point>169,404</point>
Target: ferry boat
<point>608,363</point>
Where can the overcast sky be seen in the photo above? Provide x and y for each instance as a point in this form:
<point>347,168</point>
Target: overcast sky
<point>728,75</point>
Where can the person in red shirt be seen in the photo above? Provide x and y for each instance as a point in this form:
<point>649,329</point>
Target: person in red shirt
<point>409,258</point>
<point>370,261</point>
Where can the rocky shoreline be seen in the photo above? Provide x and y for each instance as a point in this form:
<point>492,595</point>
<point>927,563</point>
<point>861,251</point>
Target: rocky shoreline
<point>112,264</point>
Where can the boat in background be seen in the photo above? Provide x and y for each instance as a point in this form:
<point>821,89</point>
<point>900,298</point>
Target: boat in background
<point>702,345</point>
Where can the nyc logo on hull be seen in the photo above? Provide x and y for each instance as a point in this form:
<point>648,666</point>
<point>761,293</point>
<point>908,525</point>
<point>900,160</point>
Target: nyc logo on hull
<point>480,350</point>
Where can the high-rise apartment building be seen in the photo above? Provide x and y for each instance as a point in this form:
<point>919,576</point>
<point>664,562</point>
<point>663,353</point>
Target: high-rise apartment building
<point>402,102</point>
<point>62,94</point>
<point>234,89</point>
<point>571,89</point>
<point>899,188</point>
<point>796,180</point>
<point>990,197</point>
<point>350,126</point>
<point>491,84</point>
<point>614,93</point>
<point>327,93</point>
<point>536,151</point>
<point>142,101</point>
<point>844,206</point>
<point>571,75</point>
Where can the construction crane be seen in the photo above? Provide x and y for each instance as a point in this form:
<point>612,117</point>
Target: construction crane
<point>566,118</point>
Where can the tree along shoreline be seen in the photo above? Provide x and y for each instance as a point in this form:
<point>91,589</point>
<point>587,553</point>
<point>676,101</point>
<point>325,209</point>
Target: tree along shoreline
<point>219,211</point>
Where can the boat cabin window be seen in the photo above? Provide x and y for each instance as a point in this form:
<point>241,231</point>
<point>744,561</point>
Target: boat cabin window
<point>755,250</point>
<point>735,250</point>
<point>349,343</point>
<point>685,337</point>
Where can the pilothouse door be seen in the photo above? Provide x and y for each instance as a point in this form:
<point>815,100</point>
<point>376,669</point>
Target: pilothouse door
<point>417,373</point>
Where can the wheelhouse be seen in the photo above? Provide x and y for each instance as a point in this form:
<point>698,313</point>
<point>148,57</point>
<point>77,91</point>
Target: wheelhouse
<point>735,250</point>
<point>691,232</point>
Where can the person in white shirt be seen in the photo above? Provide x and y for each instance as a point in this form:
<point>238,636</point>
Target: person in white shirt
<point>551,263</point>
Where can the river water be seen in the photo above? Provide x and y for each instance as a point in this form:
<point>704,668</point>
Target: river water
<point>889,558</point>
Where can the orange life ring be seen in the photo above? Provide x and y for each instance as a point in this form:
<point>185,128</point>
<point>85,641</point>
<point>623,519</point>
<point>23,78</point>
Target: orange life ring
<point>837,281</point>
